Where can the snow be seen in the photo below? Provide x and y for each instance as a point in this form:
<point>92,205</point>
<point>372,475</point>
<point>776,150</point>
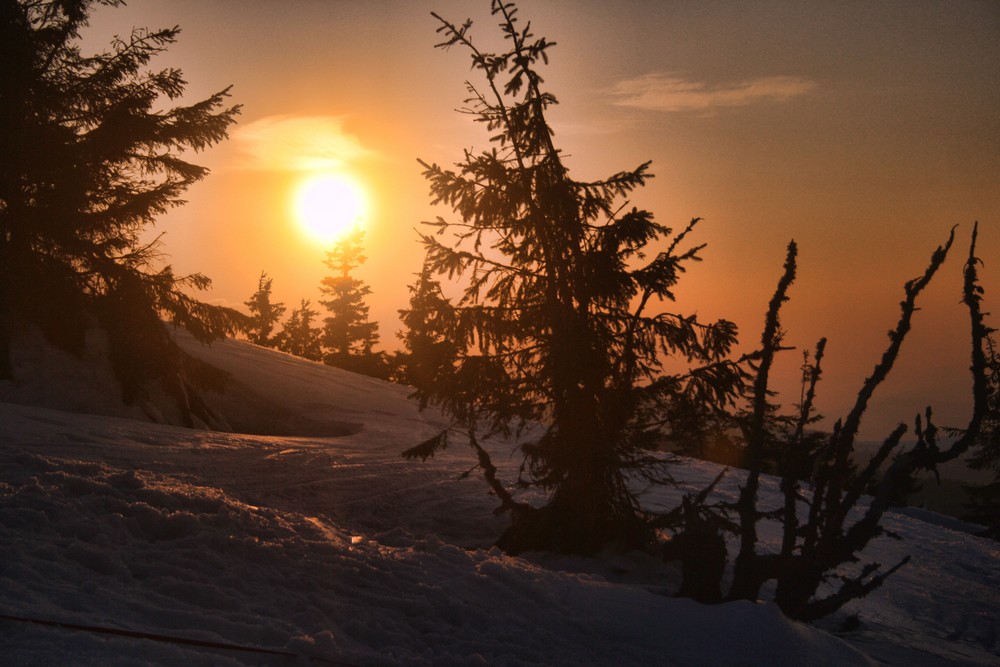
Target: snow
<point>316,541</point>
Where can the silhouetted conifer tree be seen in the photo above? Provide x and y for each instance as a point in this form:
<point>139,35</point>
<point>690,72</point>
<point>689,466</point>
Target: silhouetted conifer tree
<point>348,337</point>
<point>559,320</point>
<point>428,356</point>
<point>89,156</point>
<point>298,335</point>
<point>984,501</point>
<point>263,314</point>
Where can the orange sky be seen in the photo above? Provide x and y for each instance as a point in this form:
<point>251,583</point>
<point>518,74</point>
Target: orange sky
<point>863,130</point>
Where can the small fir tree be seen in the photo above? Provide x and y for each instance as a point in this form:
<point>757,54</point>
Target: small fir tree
<point>428,357</point>
<point>299,336</point>
<point>348,337</point>
<point>984,501</point>
<point>263,314</point>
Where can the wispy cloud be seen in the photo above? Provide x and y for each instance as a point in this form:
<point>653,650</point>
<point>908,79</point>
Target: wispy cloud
<point>298,143</point>
<point>662,92</point>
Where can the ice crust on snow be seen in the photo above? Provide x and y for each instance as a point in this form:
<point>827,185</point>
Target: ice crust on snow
<point>330,546</point>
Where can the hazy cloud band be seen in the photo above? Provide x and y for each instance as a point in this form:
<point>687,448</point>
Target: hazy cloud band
<point>661,92</point>
<point>298,143</point>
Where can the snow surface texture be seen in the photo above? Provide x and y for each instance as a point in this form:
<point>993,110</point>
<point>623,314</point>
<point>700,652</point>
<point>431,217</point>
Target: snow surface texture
<point>332,549</point>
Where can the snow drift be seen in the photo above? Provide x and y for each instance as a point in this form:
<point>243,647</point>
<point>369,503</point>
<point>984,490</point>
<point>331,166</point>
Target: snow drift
<point>311,541</point>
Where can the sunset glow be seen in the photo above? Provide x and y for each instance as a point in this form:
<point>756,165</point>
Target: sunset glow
<point>500,332</point>
<point>864,131</point>
<point>327,206</point>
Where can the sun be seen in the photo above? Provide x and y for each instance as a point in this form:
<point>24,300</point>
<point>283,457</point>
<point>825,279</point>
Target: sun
<point>329,205</point>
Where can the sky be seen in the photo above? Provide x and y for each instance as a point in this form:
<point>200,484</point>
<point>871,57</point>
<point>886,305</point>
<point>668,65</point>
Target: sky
<point>862,130</point>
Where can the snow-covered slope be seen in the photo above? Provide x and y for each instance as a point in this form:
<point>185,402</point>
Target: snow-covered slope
<point>318,544</point>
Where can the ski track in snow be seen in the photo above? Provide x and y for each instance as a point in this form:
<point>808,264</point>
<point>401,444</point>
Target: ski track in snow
<point>335,549</point>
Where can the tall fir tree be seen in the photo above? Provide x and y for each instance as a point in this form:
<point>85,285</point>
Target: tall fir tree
<point>90,155</point>
<point>263,313</point>
<point>556,322</point>
<point>349,337</point>
<point>298,335</point>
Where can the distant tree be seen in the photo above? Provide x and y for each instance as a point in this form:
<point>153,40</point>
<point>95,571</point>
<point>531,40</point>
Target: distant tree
<point>984,501</point>
<point>263,314</point>
<point>428,357</point>
<point>89,157</point>
<point>349,337</point>
<point>298,335</point>
<point>554,320</point>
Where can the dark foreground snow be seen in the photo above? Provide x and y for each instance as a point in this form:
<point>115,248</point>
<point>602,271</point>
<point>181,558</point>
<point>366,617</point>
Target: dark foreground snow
<point>334,550</point>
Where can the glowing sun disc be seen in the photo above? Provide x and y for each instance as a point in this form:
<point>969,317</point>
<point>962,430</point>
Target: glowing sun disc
<point>329,205</point>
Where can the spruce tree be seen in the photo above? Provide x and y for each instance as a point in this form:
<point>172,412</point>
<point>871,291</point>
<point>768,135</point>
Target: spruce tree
<point>90,155</point>
<point>559,318</point>
<point>263,314</point>
<point>428,357</point>
<point>299,336</point>
<point>984,501</point>
<point>348,336</point>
